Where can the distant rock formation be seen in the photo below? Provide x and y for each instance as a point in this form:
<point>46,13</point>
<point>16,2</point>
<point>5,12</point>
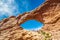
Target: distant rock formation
<point>48,13</point>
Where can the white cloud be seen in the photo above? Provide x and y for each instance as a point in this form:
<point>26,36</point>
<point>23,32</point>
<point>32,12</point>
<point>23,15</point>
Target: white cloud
<point>7,7</point>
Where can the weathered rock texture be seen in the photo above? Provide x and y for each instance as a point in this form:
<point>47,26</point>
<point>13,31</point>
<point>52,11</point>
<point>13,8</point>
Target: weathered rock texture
<point>48,13</point>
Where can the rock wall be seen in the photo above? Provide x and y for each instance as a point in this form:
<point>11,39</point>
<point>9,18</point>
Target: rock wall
<point>48,13</point>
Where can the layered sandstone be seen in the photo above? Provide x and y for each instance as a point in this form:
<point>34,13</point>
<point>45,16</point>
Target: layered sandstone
<point>48,13</point>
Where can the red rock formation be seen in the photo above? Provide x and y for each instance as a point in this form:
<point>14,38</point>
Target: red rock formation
<point>48,13</point>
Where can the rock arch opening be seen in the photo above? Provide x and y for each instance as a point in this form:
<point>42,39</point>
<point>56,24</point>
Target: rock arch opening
<point>32,25</point>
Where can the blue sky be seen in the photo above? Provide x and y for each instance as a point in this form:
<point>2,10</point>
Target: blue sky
<point>15,7</point>
<point>32,25</point>
<point>28,5</point>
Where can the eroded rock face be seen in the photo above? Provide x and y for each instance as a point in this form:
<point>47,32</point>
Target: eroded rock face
<point>48,13</point>
<point>10,30</point>
<point>52,16</point>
